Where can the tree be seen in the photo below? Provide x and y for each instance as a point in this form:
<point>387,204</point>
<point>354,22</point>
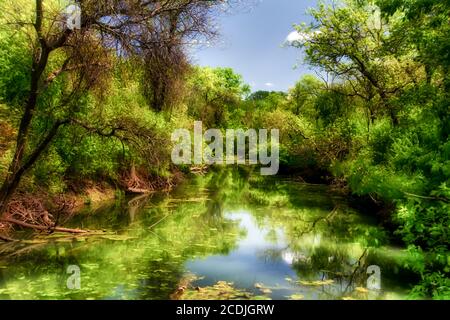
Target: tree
<point>214,91</point>
<point>303,93</point>
<point>354,44</point>
<point>425,28</point>
<point>71,63</point>
<point>165,61</point>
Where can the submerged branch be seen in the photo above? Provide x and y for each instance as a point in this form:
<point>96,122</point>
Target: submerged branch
<point>6,239</point>
<point>43,228</point>
<point>355,271</point>
<point>315,222</point>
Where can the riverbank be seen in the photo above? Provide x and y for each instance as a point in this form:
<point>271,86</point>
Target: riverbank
<point>383,210</point>
<point>41,210</point>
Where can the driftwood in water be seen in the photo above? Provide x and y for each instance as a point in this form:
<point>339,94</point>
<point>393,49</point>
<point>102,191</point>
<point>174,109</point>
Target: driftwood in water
<point>43,228</point>
<point>6,239</point>
<point>29,211</point>
<point>138,191</point>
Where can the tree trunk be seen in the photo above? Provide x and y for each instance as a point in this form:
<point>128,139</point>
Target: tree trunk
<point>6,192</point>
<point>17,168</point>
<point>21,167</point>
<point>44,228</point>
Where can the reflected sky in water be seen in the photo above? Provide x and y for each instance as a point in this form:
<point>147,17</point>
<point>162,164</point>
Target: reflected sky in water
<point>270,238</point>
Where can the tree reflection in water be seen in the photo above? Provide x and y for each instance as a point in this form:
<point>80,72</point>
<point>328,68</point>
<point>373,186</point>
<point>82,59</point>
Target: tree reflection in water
<point>267,236</point>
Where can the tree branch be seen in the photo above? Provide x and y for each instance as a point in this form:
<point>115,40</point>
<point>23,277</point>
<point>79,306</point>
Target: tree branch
<point>42,228</point>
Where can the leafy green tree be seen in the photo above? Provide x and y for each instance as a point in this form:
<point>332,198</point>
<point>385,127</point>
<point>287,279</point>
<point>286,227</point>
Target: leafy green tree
<point>66,65</point>
<point>267,100</point>
<point>388,61</point>
<point>353,43</point>
<point>214,92</point>
<point>304,93</point>
<point>424,27</point>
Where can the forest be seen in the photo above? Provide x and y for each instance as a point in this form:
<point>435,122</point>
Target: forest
<point>87,113</point>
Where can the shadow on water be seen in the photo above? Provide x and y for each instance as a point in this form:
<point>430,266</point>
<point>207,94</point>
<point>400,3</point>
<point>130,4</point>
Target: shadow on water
<point>229,235</point>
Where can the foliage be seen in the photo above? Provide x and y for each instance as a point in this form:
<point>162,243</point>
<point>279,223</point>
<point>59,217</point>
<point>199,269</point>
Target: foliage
<point>377,123</point>
<point>214,94</point>
<point>393,76</point>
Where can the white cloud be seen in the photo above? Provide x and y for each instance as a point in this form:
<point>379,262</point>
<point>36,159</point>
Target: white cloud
<point>297,37</point>
<point>293,37</point>
<point>269,84</point>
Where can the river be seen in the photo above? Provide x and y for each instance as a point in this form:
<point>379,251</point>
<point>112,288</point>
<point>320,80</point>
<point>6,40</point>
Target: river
<point>227,235</point>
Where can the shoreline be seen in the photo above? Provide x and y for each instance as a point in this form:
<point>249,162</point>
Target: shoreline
<point>42,211</point>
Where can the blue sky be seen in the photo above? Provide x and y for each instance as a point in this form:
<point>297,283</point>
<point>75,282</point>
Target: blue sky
<point>251,43</point>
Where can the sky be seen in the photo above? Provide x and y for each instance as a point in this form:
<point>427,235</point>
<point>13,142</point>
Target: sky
<point>251,42</point>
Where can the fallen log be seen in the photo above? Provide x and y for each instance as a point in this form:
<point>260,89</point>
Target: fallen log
<point>43,228</point>
<point>139,191</point>
<point>6,239</point>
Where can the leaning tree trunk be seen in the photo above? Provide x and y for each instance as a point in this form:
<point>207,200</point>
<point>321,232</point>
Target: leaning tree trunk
<point>20,166</point>
<point>6,192</point>
<point>17,167</point>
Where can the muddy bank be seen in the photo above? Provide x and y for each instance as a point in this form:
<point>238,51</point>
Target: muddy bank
<point>42,211</point>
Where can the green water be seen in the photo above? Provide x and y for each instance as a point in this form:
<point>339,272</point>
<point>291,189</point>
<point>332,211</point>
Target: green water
<point>227,235</point>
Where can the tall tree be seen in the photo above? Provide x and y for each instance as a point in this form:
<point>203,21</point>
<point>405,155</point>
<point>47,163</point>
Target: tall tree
<point>354,43</point>
<point>76,60</point>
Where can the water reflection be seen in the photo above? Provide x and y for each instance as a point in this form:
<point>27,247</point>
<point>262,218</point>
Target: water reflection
<point>271,238</point>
